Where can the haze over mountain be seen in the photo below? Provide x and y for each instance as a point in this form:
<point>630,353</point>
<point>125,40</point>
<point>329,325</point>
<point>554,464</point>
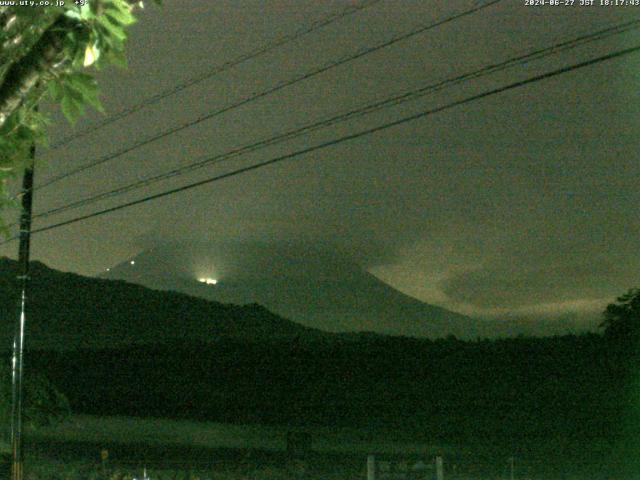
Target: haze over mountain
<point>309,285</point>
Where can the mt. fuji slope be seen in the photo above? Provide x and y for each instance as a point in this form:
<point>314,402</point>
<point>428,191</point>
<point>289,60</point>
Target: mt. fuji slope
<point>310,286</point>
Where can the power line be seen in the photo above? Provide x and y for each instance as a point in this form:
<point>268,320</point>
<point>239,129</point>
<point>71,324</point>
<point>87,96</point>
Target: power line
<point>342,139</point>
<point>367,109</point>
<point>255,53</point>
<point>269,91</point>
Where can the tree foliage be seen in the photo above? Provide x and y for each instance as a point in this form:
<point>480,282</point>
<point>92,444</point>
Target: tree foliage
<point>622,319</point>
<point>47,51</point>
<point>43,403</point>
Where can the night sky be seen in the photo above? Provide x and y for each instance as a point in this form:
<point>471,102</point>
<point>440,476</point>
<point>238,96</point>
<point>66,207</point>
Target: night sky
<point>523,202</point>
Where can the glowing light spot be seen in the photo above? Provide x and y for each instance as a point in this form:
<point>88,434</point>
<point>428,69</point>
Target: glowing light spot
<point>108,269</point>
<point>132,262</point>
<point>207,280</point>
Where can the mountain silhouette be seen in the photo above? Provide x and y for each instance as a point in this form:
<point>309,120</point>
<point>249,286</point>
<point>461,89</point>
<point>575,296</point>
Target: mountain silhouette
<point>69,311</point>
<point>310,285</point>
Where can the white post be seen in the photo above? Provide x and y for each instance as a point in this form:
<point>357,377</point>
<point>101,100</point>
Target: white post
<point>371,467</point>
<point>439,469</point>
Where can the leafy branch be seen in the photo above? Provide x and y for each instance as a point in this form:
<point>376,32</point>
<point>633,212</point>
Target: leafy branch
<point>50,53</point>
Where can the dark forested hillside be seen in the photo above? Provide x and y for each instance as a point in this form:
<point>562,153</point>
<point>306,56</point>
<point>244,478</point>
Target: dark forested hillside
<point>572,389</point>
<point>71,311</point>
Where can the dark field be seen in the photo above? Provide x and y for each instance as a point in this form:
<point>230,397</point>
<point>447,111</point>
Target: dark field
<point>183,450</point>
<point>559,406</point>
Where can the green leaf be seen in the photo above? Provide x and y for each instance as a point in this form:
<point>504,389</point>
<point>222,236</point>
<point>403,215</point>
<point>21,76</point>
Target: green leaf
<point>95,6</point>
<point>83,82</point>
<point>71,38</point>
<point>75,97</point>
<point>114,19</point>
<point>8,151</point>
<point>94,101</point>
<point>87,87</point>
<point>120,16</point>
<point>55,90</point>
<point>72,48</point>
<point>12,122</point>
<point>87,11</point>
<point>73,93</point>
<point>70,108</point>
<point>24,134</point>
<point>115,31</point>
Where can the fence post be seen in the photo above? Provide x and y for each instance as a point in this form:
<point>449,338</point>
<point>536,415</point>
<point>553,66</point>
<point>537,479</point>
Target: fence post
<point>371,467</point>
<point>439,469</point>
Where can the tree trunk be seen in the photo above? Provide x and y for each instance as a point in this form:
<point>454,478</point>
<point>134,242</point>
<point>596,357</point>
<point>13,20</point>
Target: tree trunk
<point>18,34</point>
<point>23,75</point>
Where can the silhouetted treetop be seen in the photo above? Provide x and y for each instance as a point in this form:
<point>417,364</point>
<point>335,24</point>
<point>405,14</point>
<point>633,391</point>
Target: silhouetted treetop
<point>622,319</point>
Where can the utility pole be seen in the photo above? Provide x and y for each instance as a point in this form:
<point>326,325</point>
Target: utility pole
<point>18,339</point>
